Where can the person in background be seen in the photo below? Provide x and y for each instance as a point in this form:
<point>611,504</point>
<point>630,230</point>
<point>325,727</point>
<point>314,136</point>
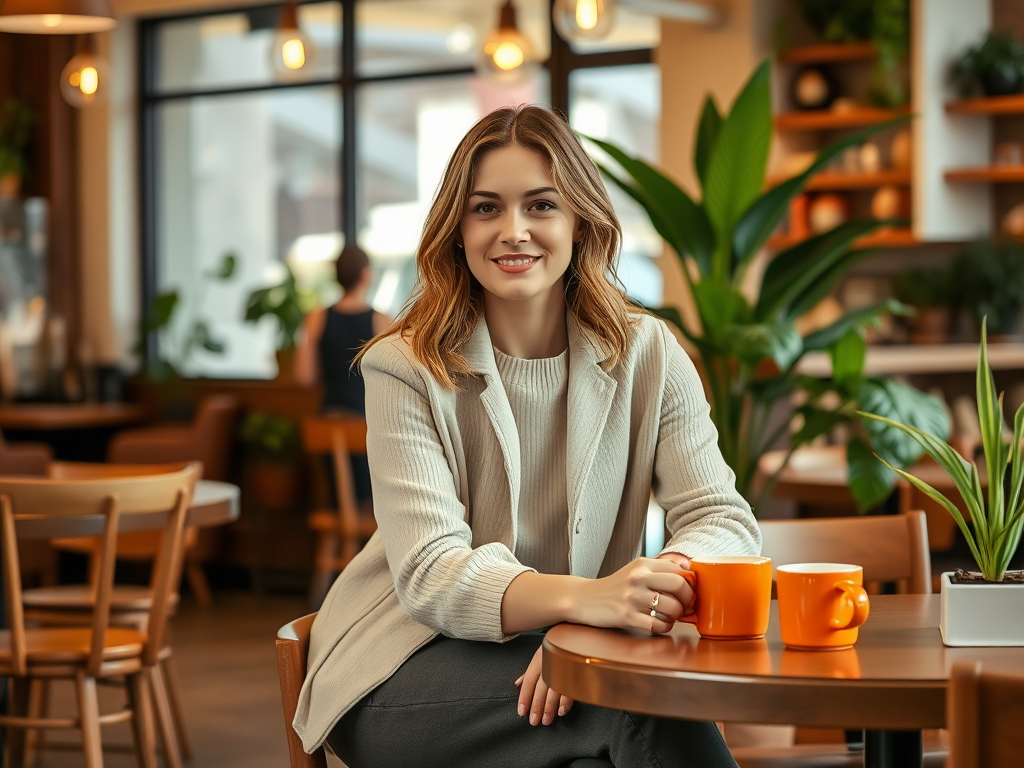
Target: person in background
<point>332,337</point>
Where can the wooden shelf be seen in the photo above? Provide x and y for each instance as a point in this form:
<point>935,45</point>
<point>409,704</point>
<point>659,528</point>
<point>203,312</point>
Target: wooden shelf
<point>884,238</point>
<point>989,105</point>
<point>1000,174</point>
<point>827,52</point>
<point>830,180</point>
<point>824,120</point>
<point>922,358</point>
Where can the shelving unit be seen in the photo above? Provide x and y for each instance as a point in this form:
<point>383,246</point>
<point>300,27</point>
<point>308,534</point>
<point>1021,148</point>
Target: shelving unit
<point>885,238</point>
<point>997,174</point>
<point>824,53</point>
<point>830,120</point>
<point>838,181</point>
<point>989,105</point>
<point>922,358</point>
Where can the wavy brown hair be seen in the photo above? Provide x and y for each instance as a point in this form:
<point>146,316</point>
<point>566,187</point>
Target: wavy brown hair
<point>448,301</point>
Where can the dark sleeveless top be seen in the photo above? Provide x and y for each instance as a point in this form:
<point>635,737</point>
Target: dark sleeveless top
<point>341,339</point>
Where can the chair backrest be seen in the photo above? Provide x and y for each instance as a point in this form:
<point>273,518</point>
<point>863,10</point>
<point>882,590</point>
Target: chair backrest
<point>339,436</point>
<point>49,508</point>
<point>214,430</point>
<point>24,460</point>
<point>888,547</point>
<point>984,712</point>
<point>292,648</point>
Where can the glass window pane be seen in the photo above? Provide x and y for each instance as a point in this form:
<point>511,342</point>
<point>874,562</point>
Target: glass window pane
<point>630,31</point>
<point>250,174</point>
<point>623,105</point>
<point>397,36</point>
<point>233,49</point>
<point>407,131</point>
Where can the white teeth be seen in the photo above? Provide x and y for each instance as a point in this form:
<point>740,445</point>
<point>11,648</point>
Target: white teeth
<point>515,262</point>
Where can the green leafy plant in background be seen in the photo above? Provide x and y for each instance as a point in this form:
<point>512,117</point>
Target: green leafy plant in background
<point>175,349</point>
<point>287,303</point>
<point>268,437</point>
<point>16,121</point>
<point>996,518</point>
<point>886,23</point>
<point>926,288</point>
<point>995,66</point>
<point>990,275</point>
<point>750,347</point>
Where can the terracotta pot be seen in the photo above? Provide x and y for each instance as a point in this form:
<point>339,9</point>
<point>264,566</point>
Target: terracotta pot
<point>285,366</point>
<point>10,184</point>
<point>272,484</point>
<point>931,325</point>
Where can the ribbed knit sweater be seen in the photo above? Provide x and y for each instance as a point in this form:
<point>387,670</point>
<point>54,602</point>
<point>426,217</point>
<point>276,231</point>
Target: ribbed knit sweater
<point>448,476</point>
<point>537,392</point>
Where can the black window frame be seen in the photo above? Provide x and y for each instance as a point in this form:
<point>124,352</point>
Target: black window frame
<point>561,63</point>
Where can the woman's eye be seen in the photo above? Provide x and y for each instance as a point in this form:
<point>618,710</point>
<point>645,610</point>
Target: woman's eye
<point>485,208</point>
<point>543,205</point>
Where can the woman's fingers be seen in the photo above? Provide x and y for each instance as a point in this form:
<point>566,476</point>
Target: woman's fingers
<point>668,607</point>
<point>550,707</point>
<point>540,697</point>
<point>564,704</point>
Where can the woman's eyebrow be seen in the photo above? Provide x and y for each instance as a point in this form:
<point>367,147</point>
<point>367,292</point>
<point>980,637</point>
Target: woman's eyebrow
<point>528,193</point>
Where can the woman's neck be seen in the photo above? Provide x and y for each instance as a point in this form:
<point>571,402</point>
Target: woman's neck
<point>529,330</point>
<point>353,300</point>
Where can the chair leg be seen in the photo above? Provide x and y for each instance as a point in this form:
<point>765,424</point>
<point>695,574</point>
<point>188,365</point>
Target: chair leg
<point>17,704</point>
<point>200,586</point>
<point>142,720</point>
<point>164,719</point>
<point>323,568</point>
<point>38,707</point>
<point>89,717</point>
<point>170,670</point>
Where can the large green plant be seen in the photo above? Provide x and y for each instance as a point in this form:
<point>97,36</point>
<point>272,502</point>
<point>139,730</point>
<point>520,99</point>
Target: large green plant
<point>287,303</point>
<point>750,348</point>
<point>997,524</point>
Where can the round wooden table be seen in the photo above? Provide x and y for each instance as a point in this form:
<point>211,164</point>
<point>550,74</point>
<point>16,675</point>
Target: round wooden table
<point>892,684</point>
<point>213,503</point>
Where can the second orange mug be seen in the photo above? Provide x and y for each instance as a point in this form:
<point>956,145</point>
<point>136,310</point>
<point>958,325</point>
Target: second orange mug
<point>733,595</point>
<point>821,605</point>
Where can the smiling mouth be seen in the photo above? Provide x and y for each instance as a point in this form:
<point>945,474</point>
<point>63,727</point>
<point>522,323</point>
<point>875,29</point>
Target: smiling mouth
<point>516,262</point>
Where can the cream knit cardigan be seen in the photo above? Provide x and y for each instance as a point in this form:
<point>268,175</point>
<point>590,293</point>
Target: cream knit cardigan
<point>445,468</point>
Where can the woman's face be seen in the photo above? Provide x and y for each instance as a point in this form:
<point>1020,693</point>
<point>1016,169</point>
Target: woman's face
<point>517,229</point>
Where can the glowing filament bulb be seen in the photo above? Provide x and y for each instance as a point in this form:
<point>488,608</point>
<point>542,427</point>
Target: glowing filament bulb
<point>293,53</point>
<point>89,80</point>
<point>586,14</point>
<point>508,56</point>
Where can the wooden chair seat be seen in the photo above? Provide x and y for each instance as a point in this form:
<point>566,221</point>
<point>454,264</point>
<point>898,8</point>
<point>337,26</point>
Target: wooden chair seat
<point>817,756</point>
<point>78,597</point>
<point>326,521</point>
<point>67,645</point>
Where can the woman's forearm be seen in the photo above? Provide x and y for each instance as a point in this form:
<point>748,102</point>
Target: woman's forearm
<point>536,600</point>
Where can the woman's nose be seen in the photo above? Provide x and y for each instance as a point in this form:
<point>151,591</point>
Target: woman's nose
<point>514,229</point>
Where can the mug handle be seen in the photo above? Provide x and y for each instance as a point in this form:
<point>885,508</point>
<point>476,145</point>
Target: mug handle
<point>691,579</point>
<point>851,606</point>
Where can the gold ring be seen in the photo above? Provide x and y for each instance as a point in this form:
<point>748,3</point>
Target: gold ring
<point>654,603</point>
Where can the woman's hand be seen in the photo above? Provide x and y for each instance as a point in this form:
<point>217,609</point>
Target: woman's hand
<point>625,598</point>
<point>537,698</point>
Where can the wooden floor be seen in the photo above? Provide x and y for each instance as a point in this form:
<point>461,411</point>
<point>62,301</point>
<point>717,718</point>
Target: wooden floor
<point>228,672</point>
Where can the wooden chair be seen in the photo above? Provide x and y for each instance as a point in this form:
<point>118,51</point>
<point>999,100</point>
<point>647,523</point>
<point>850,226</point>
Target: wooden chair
<point>890,548</point>
<point>130,605</point>
<point>43,508</point>
<point>208,439</point>
<point>340,533</point>
<point>984,711</point>
<point>24,459</point>
<point>292,647</point>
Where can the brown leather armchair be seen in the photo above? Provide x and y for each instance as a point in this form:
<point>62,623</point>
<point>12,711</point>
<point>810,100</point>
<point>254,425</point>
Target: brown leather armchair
<point>207,439</point>
<point>24,459</point>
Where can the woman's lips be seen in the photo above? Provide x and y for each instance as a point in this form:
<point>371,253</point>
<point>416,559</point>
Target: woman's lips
<point>517,264</point>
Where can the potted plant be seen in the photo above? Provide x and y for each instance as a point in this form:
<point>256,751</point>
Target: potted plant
<point>288,305</point>
<point>16,123</point>
<point>932,293</point>
<point>990,275</point>
<point>984,607</point>
<point>749,346</point>
<point>272,451</point>
<point>996,66</point>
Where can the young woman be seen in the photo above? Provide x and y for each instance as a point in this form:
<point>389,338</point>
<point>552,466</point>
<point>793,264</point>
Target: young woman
<point>520,411</point>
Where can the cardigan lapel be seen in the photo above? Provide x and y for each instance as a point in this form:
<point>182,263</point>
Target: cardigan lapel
<point>591,391</point>
<point>479,354</point>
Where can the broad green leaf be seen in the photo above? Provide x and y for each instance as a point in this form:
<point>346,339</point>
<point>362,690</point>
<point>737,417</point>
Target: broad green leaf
<point>753,342</point>
<point>816,422</point>
<point>773,388</point>
<point>857,318</point>
<point>676,213</point>
<point>735,172</point>
<point>807,299</point>
<point>1016,461</point>
<point>905,405</point>
<point>719,306</point>
<point>870,481</point>
<point>795,270</point>
<point>990,417</point>
<point>162,310</point>
<point>707,134</point>
<point>763,217</point>
<point>225,269</point>
<point>848,355</point>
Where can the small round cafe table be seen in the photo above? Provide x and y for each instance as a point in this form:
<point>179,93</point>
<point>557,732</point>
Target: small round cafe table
<point>213,503</point>
<point>892,683</point>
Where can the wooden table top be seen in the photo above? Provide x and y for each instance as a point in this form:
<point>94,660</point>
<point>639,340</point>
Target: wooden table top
<point>895,677</point>
<point>47,416</point>
<point>213,503</point>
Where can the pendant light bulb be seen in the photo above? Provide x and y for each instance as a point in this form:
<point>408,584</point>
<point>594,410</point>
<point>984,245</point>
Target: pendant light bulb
<point>506,56</point>
<point>83,80</point>
<point>583,19</point>
<point>292,53</point>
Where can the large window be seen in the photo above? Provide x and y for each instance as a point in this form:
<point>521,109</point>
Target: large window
<point>283,173</point>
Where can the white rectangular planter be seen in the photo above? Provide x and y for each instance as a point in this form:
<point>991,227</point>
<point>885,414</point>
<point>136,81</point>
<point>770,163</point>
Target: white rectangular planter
<point>981,614</point>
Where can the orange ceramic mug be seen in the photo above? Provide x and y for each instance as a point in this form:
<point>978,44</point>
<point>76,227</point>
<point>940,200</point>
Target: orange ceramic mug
<point>821,605</point>
<point>732,595</point>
